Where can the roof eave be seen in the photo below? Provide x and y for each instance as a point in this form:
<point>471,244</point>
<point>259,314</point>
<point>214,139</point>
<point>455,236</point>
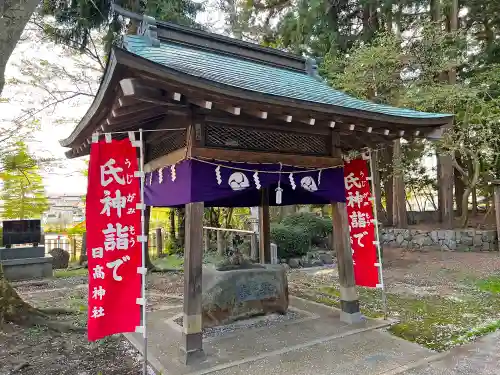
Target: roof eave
<point>121,57</point>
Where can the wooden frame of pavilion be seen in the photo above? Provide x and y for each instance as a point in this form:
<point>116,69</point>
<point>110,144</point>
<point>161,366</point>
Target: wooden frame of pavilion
<point>241,102</point>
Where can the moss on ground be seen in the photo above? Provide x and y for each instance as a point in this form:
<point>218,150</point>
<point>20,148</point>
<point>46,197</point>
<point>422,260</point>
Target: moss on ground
<point>435,322</point>
<point>70,272</point>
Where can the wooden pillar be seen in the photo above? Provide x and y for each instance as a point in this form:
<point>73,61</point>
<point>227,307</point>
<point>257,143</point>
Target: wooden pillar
<point>192,343</point>
<point>264,228</point>
<point>159,242</point>
<point>496,199</point>
<point>445,184</point>
<point>206,240</point>
<point>349,302</point>
<point>254,247</point>
<point>220,243</point>
<point>399,219</point>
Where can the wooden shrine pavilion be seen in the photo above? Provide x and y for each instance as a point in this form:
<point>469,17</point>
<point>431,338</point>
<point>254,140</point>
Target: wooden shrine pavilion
<point>225,99</point>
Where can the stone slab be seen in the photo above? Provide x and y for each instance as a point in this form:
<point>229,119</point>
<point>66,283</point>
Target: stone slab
<point>479,358</point>
<point>29,268</point>
<point>320,344</point>
<point>22,252</point>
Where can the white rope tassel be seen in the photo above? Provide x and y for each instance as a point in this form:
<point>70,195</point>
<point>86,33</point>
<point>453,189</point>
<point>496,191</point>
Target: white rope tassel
<point>292,181</point>
<point>160,175</point>
<point>319,177</point>
<point>256,180</point>
<point>218,175</point>
<point>172,171</point>
<point>279,190</point>
<point>151,178</point>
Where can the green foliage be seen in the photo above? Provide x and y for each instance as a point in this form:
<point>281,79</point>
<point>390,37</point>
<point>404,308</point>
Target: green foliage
<point>292,241</point>
<point>23,193</point>
<point>77,21</point>
<point>316,228</point>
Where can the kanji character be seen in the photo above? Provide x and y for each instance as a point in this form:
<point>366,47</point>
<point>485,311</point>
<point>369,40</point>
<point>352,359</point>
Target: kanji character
<point>98,293</point>
<point>128,163</point>
<point>354,199</point>
<point>358,219</point>
<point>116,238</point>
<point>98,272</point>
<point>130,198</point>
<point>97,252</point>
<point>116,264</point>
<point>350,181</point>
<point>97,312</point>
<point>110,169</point>
<point>118,202</point>
<point>359,237</point>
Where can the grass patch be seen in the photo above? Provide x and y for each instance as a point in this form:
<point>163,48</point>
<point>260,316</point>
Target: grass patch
<point>435,322</point>
<point>170,261</point>
<point>490,285</point>
<point>70,272</point>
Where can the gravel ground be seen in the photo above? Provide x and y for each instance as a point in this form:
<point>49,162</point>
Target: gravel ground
<point>259,322</point>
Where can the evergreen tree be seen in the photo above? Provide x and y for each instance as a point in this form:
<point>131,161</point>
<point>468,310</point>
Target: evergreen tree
<point>23,194</point>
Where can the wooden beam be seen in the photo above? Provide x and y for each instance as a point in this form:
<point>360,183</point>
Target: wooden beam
<point>169,159</point>
<point>192,336</point>
<point>264,228</point>
<point>266,157</point>
<point>236,111</point>
<point>133,87</point>
<point>132,110</point>
<point>205,104</point>
<point>259,114</point>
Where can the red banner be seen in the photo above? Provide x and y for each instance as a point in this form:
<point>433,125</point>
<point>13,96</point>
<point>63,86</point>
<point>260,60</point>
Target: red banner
<point>114,253</point>
<point>361,227</point>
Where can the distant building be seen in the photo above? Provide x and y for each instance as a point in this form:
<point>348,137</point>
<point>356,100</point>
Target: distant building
<point>64,210</point>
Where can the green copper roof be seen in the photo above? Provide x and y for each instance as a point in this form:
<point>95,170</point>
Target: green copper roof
<point>257,77</point>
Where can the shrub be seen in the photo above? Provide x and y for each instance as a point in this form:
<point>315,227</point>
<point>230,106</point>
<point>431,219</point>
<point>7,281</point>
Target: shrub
<point>291,241</point>
<point>316,227</point>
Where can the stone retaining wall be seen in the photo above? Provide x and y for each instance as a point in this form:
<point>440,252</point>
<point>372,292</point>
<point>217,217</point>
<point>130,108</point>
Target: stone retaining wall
<point>453,239</point>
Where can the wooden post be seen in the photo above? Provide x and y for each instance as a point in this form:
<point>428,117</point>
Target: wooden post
<point>192,343</point>
<point>254,247</point>
<point>264,228</point>
<point>206,241</point>
<point>159,242</point>
<point>220,243</point>
<point>349,303</point>
<point>496,199</point>
<point>73,248</point>
<point>446,186</point>
<point>400,219</point>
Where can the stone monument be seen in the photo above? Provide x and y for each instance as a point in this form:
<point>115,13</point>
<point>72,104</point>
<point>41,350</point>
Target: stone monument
<point>239,289</point>
<point>28,261</point>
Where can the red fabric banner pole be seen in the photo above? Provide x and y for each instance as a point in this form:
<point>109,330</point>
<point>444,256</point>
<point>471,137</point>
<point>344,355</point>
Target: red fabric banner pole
<point>113,218</point>
<point>361,223</point>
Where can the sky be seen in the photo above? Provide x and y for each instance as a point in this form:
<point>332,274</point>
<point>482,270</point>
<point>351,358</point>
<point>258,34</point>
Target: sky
<point>65,178</point>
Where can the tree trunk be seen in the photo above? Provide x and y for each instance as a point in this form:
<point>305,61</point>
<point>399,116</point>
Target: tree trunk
<point>171,216</point>
<point>14,15</point>
<point>474,201</point>
<point>182,227</point>
<point>399,211</point>
<point>388,186</point>
<point>14,310</point>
